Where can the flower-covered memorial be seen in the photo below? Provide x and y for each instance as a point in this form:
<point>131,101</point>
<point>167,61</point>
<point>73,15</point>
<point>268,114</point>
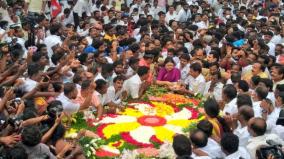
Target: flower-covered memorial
<point>141,128</point>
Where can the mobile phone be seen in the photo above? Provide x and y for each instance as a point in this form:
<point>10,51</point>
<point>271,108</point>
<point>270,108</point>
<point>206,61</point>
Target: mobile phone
<point>46,79</point>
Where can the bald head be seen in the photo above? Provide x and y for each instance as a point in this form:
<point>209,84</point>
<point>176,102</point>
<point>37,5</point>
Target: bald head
<point>246,112</point>
<point>199,138</point>
<point>257,126</point>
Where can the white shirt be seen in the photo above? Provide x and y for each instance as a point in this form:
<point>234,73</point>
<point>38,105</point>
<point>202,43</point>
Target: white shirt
<point>197,85</point>
<point>231,107</point>
<point>90,40</point>
<point>184,71</point>
<point>113,96</point>
<point>213,149</point>
<point>200,157</point>
<point>83,6</point>
<point>51,41</point>
<point>156,10</point>
<point>130,72</point>
<point>28,85</point>
<point>99,76</point>
<point>217,92</point>
<point>243,134</point>
<point>170,16</point>
<point>271,119</point>
<point>278,130</point>
<point>69,106</point>
<point>276,39</point>
<point>257,109</point>
<point>271,48</point>
<point>255,142</point>
<point>102,98</point>
<point>241,153</point>
<point>132,86</point>
<point>35,5</point>
<point>271,96</point>
<point>183,16</point>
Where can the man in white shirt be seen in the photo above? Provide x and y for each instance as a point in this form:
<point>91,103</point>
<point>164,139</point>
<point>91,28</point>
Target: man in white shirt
<point>133,64</point>
<point>184,66</point>
<point>83,6</point>
<point>245,113</point>
<point>195,81</point>
<point>229,95</point>
<point>114,93</point>
<point>260,94</point>
<point>156,10</point>
<point>257,129</point>
<point>267,38</point>
<point>54,38</point>
<point>106,74</point>
<point>101,91</point>
<point>35,6</point>
<point>137,84</point>
<point>171,14</point>
<point>230,146</point>
<point>184,14</point>
<point>69,95</point>
<point>200,141</point>
<point>279,128</point>
<point>183,148</point>
<point>276,39</point>
<point>28,84</point>
<point>277,75</point>
<point>269,113</point>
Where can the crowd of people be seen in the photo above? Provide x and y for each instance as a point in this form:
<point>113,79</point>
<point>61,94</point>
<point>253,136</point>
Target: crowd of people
<point>61,57</point>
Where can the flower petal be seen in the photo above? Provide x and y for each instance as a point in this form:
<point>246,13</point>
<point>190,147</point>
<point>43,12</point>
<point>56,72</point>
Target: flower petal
<point>164,134</point>
<point>181,122</point>
<point>143,134</point>
<point>114,129</point>
<point>174,128</point>
<point>183,114</point>
<point>119,119</point>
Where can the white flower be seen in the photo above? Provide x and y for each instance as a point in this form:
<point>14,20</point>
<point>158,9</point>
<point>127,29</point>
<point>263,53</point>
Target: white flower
<point>110,149</point>
<point>128,154</point>
<point>118,119</point>
<point>166,151</point>
<point>92,149</point>
<point>89,153</point>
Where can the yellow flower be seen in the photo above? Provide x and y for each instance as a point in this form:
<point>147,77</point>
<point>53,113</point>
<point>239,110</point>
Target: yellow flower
<point>71,133</point>
<point>131,112</point>
<point>164,134</point>
<point>118,128</point>
<point>182,123</point>
<point>163,109</point>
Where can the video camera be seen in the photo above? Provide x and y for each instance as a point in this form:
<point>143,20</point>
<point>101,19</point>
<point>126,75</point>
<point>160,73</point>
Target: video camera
<point>53,110</point>
<point>14,121</point>
<point>273,149</point>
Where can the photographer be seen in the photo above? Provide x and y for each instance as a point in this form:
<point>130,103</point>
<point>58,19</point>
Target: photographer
<point>257,128</point>
<point>31,137</point>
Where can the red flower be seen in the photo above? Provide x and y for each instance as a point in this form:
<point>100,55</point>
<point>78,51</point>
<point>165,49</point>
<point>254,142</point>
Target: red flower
<point>194,112</point>
<point>101,128</point>
<point>126,136</point>
<point>156,140</point>
<point>104,153</point>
